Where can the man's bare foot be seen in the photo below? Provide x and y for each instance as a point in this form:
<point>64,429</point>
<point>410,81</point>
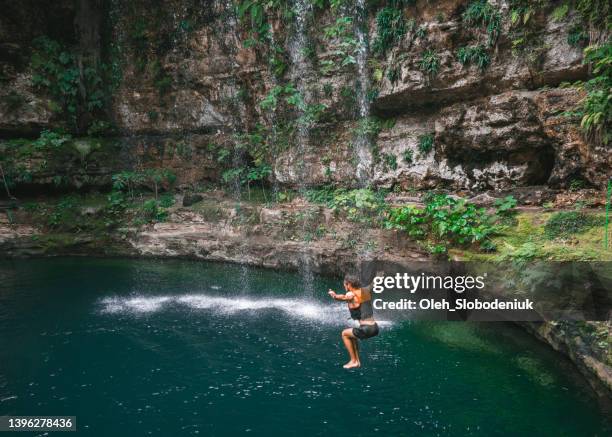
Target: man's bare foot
<point>352,365</point>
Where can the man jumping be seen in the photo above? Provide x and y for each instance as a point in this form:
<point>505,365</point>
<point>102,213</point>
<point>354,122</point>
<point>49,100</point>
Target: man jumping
<point>359,302</point>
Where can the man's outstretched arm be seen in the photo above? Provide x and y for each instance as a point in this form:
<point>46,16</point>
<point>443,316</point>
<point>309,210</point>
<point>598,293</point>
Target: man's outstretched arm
<point>345,297</point>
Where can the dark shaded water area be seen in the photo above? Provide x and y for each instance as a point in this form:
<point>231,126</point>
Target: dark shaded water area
<point>150,347</point>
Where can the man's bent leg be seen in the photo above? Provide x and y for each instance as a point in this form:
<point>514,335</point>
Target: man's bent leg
<point>348,338</point>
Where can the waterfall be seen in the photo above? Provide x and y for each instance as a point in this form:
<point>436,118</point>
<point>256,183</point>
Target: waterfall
<point>301,71</point>
<point>236,118</point>
<point>362,146</point>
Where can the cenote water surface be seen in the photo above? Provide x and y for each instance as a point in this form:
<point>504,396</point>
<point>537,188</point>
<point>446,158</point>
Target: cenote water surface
<point>181,348</point>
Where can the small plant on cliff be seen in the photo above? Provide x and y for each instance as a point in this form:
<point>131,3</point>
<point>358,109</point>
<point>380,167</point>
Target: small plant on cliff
<point>476,55</point>
<point>256,12</point>
<point>49,139</point>
<point>390,28</point>
<point>426,142</point>
<point>342,31</point>
<point>597,106</point>
<point>390,161</point>
<point>429,63</point>
<point>481,13</point>
<point>408,156</point>
<point>577,36</point>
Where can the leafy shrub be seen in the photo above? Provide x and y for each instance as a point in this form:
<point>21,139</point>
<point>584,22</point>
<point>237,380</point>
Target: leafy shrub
<point>445,220</point>
<point>130,181</point>
<point>166,201</point>
<point>566,223</point>
<point>56,69</point>
<point>474,55</point>
<point>390,28</point>
<point>152,212</point>
<point>361,206</point>
<point>426,142</point>
<point>51,139</point>
<point>430,63</point>
<point>505,206</point>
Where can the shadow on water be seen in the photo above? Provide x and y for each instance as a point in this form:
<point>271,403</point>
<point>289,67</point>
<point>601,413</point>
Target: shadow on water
<point>167,347</point>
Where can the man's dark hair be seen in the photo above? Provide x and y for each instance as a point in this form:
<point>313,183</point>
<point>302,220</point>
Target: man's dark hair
<point>353,281</point>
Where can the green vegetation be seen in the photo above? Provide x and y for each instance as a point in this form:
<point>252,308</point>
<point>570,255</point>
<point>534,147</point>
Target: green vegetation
<point>51,140</point>
<point>390,28</point>
<point>426,142</point>
<point>445,220</point>
<point>526,239</point>
<point>347,46</point>
<point>362,206</point>
<point>505,206</point>
<point>595,12</point>
<point>560,12</point>
<point>390,161</point>
<point>310,113</point>
<point>429,63</point>
<point>255,13</point>
<point>371,126</point>
<point>525,33</point>
<point>481,13</point>
<point>476,55</point>
<point>130,181</point>
<point>597,106</point>
<point>577,36</point>
<point>408,156</point>
<point>567,223</point>
<point>57,70</point>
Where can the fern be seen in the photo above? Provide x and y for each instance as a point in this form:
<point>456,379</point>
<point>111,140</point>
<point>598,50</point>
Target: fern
<point>481,13</point>
<point>429,63</point>
<point>474,55</point>
<point>390,28</point>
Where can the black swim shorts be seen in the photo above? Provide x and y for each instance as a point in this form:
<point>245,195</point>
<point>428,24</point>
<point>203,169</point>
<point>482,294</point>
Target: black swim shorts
<point>366,331</point>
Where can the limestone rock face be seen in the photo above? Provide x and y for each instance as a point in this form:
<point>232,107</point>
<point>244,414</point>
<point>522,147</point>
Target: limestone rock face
<point>189,80</point>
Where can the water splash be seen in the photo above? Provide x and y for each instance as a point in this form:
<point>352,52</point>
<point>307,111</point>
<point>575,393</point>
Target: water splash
<point>294,308</point>
<point>297,308</point>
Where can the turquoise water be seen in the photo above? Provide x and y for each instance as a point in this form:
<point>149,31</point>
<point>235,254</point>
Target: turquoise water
<point>136,347</point>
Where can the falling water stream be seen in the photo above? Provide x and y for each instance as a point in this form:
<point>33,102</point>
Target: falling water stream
<point>237,121</point>
<point>301,70</point>
<point>362,142</point>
